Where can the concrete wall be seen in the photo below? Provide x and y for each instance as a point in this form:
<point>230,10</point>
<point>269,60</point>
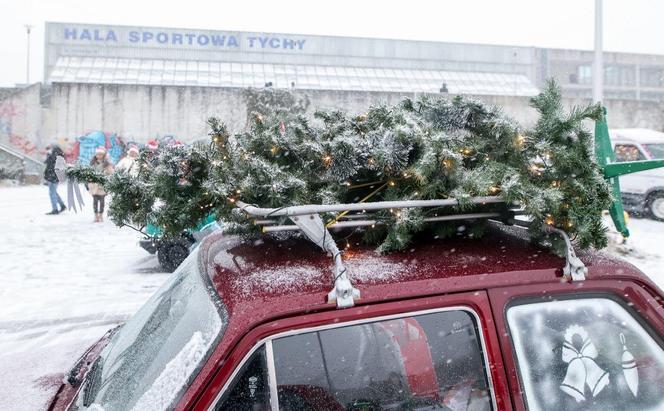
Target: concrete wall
<point>11,165</point>
<point>143,112</point>
<point>21,118</point>
<point>139,112</point>
<point>17,166</point>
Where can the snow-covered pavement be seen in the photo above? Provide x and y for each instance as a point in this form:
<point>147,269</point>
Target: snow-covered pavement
<point>64,281</point>
<point>645,248</point>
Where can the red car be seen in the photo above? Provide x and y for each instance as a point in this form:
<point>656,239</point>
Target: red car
<point>454,324</point>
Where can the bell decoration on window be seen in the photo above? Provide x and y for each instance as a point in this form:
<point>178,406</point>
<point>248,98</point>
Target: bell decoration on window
<point>629,367</point>
<point>579,352</point>
<point>253,385</point>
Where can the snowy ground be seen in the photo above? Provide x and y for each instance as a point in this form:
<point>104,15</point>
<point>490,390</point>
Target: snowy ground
<point>644,248</point>
<point>64,281</point>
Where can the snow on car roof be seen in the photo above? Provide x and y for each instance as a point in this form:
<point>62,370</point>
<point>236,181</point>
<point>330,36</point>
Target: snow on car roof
<point>281,276</point>
<point>639,135</point>
<point>288,274</point>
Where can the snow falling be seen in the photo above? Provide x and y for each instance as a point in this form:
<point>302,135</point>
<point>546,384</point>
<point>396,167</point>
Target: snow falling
<point>66,281</point>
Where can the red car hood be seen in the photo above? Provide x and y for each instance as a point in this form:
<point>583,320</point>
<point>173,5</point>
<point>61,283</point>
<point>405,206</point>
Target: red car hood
<point>72,381</point>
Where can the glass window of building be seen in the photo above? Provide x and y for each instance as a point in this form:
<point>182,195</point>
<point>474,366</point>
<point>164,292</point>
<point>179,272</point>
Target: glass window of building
<point>652,77</point>
<point>619,75</point>
<point>584,74</point>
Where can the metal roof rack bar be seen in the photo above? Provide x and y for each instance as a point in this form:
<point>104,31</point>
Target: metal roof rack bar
<point>308,220</point>
<point>265,222</point>
<point>574,268</point>
<point>379,205</point>
<point>368,223</point>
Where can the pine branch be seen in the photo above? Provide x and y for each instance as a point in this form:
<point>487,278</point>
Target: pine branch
<point>420,149</point>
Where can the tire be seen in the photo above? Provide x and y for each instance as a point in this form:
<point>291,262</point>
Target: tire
<point>655,206</point>
<point>172,253</point>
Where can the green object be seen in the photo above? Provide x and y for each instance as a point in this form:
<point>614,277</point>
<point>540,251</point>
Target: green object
<point>155,231</point>
<point>85,174</point>
<point>612,170</point>
<point>212,218</point>
<point>628,167</point>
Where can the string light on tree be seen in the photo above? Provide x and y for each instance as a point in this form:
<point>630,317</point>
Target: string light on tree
<point>520,140</point>
<point>344,158</point>
<point>549,220</point>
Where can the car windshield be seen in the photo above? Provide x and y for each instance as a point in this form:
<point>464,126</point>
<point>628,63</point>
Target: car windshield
<point>159,350</point>
<point>655,150</point>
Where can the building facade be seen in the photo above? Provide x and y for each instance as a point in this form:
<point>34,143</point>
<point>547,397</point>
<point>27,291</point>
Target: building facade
<point>197,58</point>
<point>99,54</point>
<point>145,82</point>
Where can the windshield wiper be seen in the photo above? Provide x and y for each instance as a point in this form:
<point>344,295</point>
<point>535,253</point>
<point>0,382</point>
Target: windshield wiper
<point>72,376</point>
<point>93,379</point>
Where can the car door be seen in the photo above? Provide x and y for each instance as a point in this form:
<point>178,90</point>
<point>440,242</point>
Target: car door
<point>416,354</point>
<point>595,345</point>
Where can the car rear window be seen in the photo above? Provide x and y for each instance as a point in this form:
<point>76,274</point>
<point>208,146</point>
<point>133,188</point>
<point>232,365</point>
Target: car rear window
<point>628,152</point>
<point>585,354</point>
<point>655,150</point>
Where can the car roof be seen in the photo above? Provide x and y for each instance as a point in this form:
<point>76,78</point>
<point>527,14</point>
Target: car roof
<point>637,135</point>
<point>278,275</point>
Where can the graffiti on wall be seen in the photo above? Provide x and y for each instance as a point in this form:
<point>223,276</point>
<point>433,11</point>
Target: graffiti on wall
<point>23,144</point>
<point>8,114</point>
<point>8,111</point>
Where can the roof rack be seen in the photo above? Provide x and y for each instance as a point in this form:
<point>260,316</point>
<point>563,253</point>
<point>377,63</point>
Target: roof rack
<point>306,218</point>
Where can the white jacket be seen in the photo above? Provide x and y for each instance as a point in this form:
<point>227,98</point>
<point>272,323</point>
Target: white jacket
<point>128,164</point>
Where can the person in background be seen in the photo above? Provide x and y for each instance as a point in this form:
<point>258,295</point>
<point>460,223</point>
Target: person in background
<point>129,163</point>
<point>53,151</point>
<point>152,145</point>
<point>101,163</point>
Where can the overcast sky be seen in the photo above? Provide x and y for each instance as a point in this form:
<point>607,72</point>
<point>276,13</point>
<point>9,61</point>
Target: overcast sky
<point>631,26</point>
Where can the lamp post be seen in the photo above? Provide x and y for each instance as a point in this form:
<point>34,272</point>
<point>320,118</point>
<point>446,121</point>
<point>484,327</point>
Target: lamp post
<point>28,27</point>
<point>598,66</point>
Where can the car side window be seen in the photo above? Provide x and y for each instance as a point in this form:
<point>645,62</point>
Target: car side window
<point>429,360</point>
<point>585,354</point>
<point>249,390</point>
<point>628,152</point>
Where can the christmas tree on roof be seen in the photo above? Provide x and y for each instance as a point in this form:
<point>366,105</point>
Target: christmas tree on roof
<point>428,148</point>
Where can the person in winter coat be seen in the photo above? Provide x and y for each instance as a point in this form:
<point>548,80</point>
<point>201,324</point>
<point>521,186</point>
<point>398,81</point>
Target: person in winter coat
<point>129,163</point>
<point>101,163</point>
<point>53,151</point>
